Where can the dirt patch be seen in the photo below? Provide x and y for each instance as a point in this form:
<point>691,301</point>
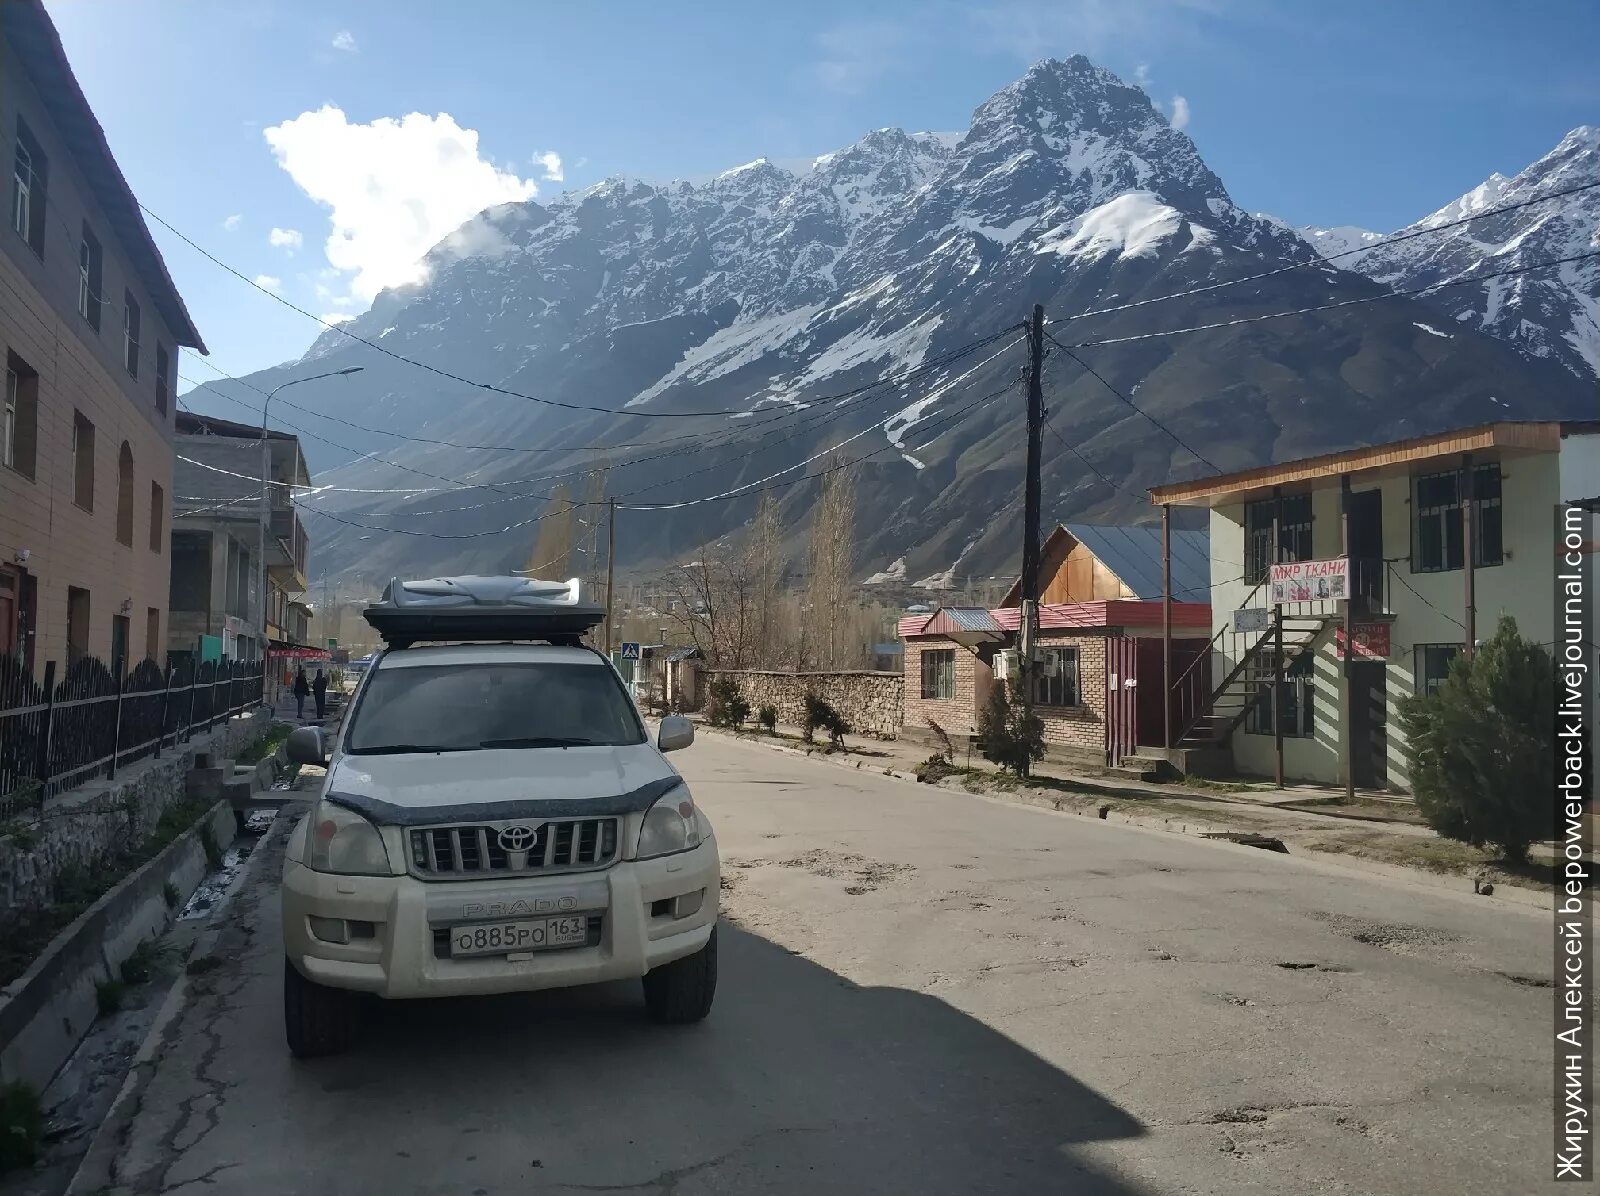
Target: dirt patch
<point>1312,966</point>
<point>1527,981</point>
<point>1400,939</point>
<point>864,874</point>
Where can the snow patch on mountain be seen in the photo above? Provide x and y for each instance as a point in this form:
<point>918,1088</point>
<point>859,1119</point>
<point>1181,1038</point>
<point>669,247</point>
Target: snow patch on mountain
<point>895,572</point>
<point>1131,225</point>
<point>731,348</point>
<point>1345,239</point>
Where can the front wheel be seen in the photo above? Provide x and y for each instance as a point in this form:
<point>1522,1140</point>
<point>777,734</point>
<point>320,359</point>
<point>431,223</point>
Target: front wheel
<point>317,1020</point>
<point>681,992</point>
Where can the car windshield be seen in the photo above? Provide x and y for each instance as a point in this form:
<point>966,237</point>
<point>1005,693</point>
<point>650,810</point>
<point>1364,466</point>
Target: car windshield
<point>452,708</point>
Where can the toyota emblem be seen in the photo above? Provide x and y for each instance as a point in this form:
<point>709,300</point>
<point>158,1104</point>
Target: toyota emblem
<point>517,838</point>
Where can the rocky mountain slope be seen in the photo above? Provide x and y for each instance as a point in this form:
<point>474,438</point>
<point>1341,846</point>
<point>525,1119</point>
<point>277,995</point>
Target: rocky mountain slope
<point>1553,314</point>
<point>765,299</point>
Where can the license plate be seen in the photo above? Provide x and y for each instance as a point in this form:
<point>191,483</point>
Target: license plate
<point>503,938</point>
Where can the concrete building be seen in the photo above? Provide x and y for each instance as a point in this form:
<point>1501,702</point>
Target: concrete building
<point>220,529</point>
<point>1427,574</point>
<point>1098,692</point>
<point>90,326</point>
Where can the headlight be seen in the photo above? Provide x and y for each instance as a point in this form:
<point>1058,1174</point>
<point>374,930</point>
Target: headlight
<point>672,824</point>
<point>343,842</point>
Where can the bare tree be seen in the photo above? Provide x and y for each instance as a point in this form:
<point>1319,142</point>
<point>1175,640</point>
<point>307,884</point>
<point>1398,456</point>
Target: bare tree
<point>831,558</point>
<point>552,549</point>
<point>764,556</point>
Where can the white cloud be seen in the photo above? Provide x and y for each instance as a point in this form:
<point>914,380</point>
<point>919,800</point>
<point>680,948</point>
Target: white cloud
<point>1180,112</point>
<point>285,238</point>
<point>233,222</point>
<point>551,161</point>
<point>345,40</point>
<point>856,54</point>
<point>393,188</point>
<point>335,317</point>
<point>268,282</point>
<point>1141,76</point>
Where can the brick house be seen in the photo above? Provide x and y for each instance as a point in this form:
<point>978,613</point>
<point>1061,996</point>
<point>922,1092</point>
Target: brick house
<point>90,327</point>
<point>1100,640</point>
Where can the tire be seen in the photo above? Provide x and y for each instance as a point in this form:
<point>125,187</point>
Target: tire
<point>317,1020</point>
<point>680,992</point>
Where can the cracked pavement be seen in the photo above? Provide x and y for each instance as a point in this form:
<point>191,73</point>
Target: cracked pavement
<point>922,991</point>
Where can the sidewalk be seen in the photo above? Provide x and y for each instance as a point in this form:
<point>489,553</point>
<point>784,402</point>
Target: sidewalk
<point>1377,830</point>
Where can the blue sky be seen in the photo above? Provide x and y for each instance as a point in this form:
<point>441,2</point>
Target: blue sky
<point>229,118</point>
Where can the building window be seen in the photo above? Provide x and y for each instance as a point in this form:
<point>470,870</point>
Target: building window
<point>158,516</point>
<point>1299,685</point>
<point>1294,534</point>
<point>19,420</point>
<point>163,378</point>
<point>90,263</point>
<point>1057,681</point>
<point>1436,499</point>
<point>125,495</point>
<point>130,333</point>
<point>82,461</point>
<point>28,198</point>
<point>77,625</point>
<point>1433,665</point>
<point>939,673</point>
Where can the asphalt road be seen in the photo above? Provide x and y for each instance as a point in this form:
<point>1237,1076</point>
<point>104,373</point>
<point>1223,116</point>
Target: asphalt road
<point>921,992</point>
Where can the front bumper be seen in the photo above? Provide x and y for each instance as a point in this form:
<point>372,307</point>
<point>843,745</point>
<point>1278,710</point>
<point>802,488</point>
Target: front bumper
<point>634,901</point>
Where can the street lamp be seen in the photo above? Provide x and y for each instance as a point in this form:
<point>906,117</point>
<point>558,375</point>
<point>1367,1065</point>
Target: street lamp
<point>266,504</point>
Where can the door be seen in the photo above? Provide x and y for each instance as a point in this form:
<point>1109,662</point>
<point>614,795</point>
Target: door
<point>77,625</point>
<point>1366,550</point>
<point>1369,723</point>
<point>10,609</point>
<point>1122,697</point>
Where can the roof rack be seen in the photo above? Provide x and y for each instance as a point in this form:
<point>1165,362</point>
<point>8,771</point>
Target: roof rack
<point>478,609</point>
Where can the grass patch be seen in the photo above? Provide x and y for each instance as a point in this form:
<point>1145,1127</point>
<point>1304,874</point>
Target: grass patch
<point>21,1125</point>
<point>1207,785</point>
<point>108,995</point>
<point>78,886</point>
<point>266,745</point>
<point>139,967</point>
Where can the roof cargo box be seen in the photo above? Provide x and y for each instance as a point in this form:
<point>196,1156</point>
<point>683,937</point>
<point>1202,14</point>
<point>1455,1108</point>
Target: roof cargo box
<point>467,609</point>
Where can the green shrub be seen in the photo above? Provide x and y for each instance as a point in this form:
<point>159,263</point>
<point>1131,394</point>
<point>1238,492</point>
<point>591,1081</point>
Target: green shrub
<point>821,716</point>
<point>725,705</point>
<point>21,1125</point>
<point>108,995</point>
<point>1009,736</point>
<point>947,750</point>
<point>1480,744</point>
<point>935,768</point>
<point>208,840</point>
<point>140,966</point>
<point>170,894</point>
<point>767,716</point>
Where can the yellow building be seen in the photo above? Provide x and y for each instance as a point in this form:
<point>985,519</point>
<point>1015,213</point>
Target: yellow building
<point>90,325</point>
<point>1427,575</point>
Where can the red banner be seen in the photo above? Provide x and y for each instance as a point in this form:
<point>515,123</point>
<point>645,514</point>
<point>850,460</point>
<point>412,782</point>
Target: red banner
<point>299,653</point>
<point>1372,641</point>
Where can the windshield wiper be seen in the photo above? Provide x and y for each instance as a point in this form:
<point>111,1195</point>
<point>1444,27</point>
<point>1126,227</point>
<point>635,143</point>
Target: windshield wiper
<point>537,741</point>
<point>400,749</point>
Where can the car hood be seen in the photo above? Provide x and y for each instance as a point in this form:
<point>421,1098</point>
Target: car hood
<point>501,783</point>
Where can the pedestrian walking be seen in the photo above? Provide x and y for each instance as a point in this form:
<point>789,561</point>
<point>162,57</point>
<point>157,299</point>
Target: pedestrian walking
<point>319,686</point>
<point>302,690</point>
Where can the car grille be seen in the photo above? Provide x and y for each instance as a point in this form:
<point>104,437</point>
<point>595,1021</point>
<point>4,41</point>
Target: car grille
<point>491,848</point>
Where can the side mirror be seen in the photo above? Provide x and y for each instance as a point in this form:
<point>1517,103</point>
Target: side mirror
<point>675,732</point>
<point>305,746</point>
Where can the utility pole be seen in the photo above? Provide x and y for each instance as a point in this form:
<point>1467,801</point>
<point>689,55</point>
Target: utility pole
<point>1030,518</point>
<point>611,566</point>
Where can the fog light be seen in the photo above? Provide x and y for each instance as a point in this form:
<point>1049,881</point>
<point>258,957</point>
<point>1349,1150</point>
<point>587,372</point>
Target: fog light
<point>689,904</point>
<point>329,930</point>
<point>363,930</point>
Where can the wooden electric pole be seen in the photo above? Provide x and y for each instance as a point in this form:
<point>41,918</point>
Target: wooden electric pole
<point>1030,518</point>
<point>611,567</point>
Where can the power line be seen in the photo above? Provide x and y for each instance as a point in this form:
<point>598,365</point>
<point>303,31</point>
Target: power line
<point>1101,379</point>
<point>1305,311</point>
<point>422,365</point>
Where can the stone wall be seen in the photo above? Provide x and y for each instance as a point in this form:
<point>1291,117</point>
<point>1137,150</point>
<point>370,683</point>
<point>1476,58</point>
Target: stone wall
<point>80,827</point>
<point>870,702</point>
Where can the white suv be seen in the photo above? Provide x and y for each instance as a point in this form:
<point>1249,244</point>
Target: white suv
<point>494,819</point>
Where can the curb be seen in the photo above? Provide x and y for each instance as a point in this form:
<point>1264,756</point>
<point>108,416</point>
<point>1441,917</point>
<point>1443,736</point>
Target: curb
<point>46,1011</point>
<point>1506,894</point>
<point>92,1175</point>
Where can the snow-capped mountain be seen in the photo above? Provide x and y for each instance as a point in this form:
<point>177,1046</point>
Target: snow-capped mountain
<point>737,321</point>
<point>1553,314</point>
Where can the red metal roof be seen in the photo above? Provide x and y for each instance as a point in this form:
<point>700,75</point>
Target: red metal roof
<point>912,625</point>
<point>1066,616</point>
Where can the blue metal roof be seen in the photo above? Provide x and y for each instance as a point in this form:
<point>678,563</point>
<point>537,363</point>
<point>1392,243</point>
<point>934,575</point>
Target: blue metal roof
<point>971,618</point>
<point>1134,555</point>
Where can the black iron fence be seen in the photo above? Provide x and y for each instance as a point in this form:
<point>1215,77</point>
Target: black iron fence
<point>57,734</point>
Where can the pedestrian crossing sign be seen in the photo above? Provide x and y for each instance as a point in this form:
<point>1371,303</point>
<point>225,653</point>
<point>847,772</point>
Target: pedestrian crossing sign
<point>630,651</point>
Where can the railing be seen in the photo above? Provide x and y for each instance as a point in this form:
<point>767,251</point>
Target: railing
<point>1192,695</point>
<point>54,737</point>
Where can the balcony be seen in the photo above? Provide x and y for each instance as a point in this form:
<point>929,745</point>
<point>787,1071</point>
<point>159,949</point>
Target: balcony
<point>287,548</point>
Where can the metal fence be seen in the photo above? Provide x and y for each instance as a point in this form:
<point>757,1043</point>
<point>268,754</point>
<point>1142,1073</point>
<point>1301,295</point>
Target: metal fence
<point>55,735</point>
